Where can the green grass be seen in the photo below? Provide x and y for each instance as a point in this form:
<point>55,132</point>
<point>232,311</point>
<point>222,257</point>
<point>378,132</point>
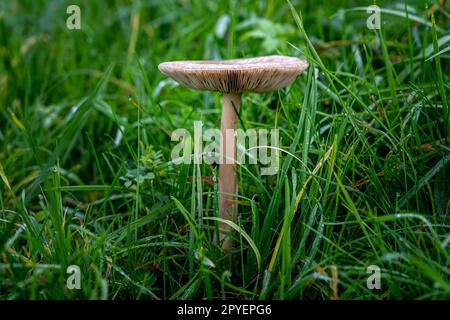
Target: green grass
<point>87,178</point>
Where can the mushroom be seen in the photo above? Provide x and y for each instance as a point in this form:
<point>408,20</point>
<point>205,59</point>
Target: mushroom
<point>233,77</point>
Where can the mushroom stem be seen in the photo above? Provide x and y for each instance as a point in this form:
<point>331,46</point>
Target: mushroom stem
<point>227,168</point>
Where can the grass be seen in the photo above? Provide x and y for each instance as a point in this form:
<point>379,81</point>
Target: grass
<point>87,178</point>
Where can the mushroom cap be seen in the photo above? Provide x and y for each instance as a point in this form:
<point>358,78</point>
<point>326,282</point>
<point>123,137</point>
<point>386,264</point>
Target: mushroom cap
<point>261,74</point>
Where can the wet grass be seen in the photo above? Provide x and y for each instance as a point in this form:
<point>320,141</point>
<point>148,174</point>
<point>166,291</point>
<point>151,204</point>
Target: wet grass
<point>85,152</point>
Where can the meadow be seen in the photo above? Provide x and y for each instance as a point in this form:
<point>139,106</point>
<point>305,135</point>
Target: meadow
<point>87,179</point>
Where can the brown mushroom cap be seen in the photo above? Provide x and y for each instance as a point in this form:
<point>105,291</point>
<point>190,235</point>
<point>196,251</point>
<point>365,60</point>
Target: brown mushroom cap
<point>260,74</point>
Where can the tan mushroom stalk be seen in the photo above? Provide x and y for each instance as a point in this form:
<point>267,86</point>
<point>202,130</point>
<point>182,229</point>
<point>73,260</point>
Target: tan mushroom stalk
<point>233,77</point>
